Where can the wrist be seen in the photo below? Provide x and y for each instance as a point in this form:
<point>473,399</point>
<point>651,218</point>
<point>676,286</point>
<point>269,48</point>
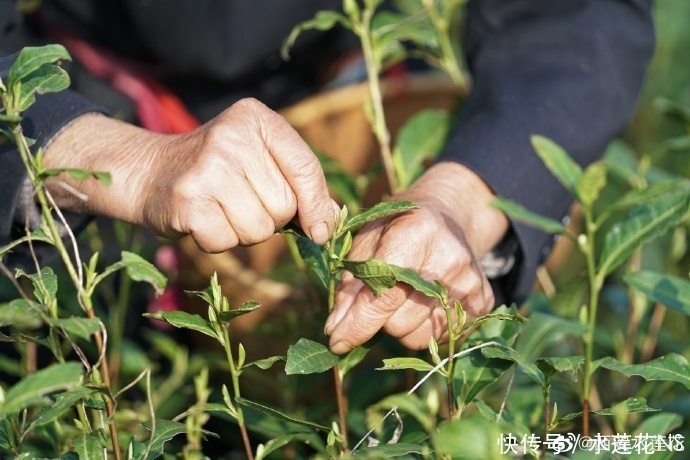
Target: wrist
<point>463,197</point>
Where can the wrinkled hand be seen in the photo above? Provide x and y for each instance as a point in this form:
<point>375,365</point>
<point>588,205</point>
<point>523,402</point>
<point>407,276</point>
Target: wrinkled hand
<point>443,239</point>
<point>233,181</point>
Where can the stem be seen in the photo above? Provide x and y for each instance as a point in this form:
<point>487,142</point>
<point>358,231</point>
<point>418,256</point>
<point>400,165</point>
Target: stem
<point>595,282</point>
<point>363,30</point>
<point>449,61</point>
<point>547,413</point>
<point>236,388</point>
<point>655,324</point>
<point>339,393</point>
<point>451,361</point>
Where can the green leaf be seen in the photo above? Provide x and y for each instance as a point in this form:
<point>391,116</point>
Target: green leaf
<point>46,79</point>
<point>139,269</point>
<point>247,307</point>
<point>672,367</point>
<point>645,222</point>
<point>591,183</point>
<point>314,258</point>
<point>185,320</point>
<point>558,162</point>
<point>379,211</point>
<point>472,437</point>
<point>324,20</point>
<point>279,415</point>
<point>672,291</point>
<point>421,138</point>
<point>45,284</point>
<point>519,213</point>
<point>309,357</point>
<point>165,430</point>
<point>475,372</point>
<point>79,327</point>
<point>649,194</point>
<point>135,450</point>
<point>551,365</point>
<point>390,450</point>
<point>62,403</point>
<point>79,174</point>
<point>411,277</point>
<point>349,360</point>
<point>629,406</point>
<point>375,273</point>
<point>31,58</point>
<point>32,389</point>
<point>90,446</point>
<point>394,364</point>
<point>511,355</point>
<point>265,363</point>
<point>37,235</point>
<point>21,313</point>
<point>279,442</point>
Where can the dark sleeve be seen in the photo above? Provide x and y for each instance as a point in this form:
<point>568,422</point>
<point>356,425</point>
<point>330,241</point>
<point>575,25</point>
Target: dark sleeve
<point>569,70</point>
<point>42,122</point>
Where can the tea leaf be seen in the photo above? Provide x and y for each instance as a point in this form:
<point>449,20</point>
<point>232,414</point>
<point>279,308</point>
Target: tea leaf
<point>629,406</point>
<point>45,284</point>
<point>323,20</point>
<point>185,320</point>
<point>349,360</point>
<point>375,273</point>
<point>511,355</point>
<point>21,313</point>
<point>139,269</point>
<point>46,79</point>
<point>90,446</point>
<point>63,402</point>
<point>390,450</point>
<point>279,415</point>
<point>476,372</point>
<point>314,258</point>
<point>309,357</point>
<point>551,365</point>
<point>645,222</point>
<point>265,363</point>
<point>591,183</point>
<point>558,162</point>
<point>31,58</point>
<point>247,307</point>
<point>659,424</point>
<point>519,213</point>
<point>421,138</point>
<point>394,364</point>
<point>32,389</point>
<point>381,210</point>
<point>472,437</point>
<point>165,431</point>
<point>79,327</point>
<point>281,441</point>
<point>672,291</point>
<point>411,277</point>
<point>649,194</point>
<point>672,367</point>
<point>79,174</point>
<point>37,235</point>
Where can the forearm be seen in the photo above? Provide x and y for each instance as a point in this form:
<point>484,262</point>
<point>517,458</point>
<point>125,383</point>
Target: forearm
<point>98,143</point>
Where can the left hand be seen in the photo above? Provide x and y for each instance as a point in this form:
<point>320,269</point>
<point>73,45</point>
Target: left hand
<point>442,240</point>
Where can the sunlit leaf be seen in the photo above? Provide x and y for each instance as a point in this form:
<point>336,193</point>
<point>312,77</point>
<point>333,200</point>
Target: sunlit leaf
<point>45,284</point>
<point>185,320</point>
<point>551,365</point>
<point>519,213</point>
<point>629,406</point>
<point>90,446</point>
<point>265,363</point>
<point>672,367</point>
<point>46,79</point>
<point>247,307</point>
<point>21,313</point>
<point>139,269</point>
<point>417,364</point>
<point>279,415</point>
<point>79,174</point>
<point>309,357</point>
<point>558,162</point>
<point>31,58</point>
<point>349,360</point>
<point>375,273</point>
<point>591,183</point>
<point>510,354</point>
<point>644,222</point>
<point>672,291</point>
<point>379,211</point>
<point>32,389</point>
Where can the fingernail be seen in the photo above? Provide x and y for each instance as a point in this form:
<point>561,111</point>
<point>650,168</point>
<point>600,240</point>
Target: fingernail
<point>330,324</point>
<point>319,233</point>
<point>334,347</point>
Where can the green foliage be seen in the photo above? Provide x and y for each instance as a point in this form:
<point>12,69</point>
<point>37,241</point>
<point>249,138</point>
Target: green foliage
<point>32,390</point>
<point>308,357</point>
<point>279,415</point>
<point>558,162</point>
<point>185,320</point>
<point>79,174</point>
<point>672,291</point>
<point>519,213</point>
<point>379,211</point>
<point>673,367</point>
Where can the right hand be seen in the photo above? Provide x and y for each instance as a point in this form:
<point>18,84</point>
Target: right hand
<point>233,181</point>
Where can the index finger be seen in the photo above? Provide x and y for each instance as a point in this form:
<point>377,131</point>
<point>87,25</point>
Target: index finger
<point>304,174</point>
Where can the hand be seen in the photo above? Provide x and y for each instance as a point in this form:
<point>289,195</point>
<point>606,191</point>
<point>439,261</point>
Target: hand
<point>442,240</point>
<point>235,180</point>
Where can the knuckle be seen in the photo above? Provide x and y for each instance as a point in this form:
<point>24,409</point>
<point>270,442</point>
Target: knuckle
<point>257,234</point>
<point>413,342</point>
